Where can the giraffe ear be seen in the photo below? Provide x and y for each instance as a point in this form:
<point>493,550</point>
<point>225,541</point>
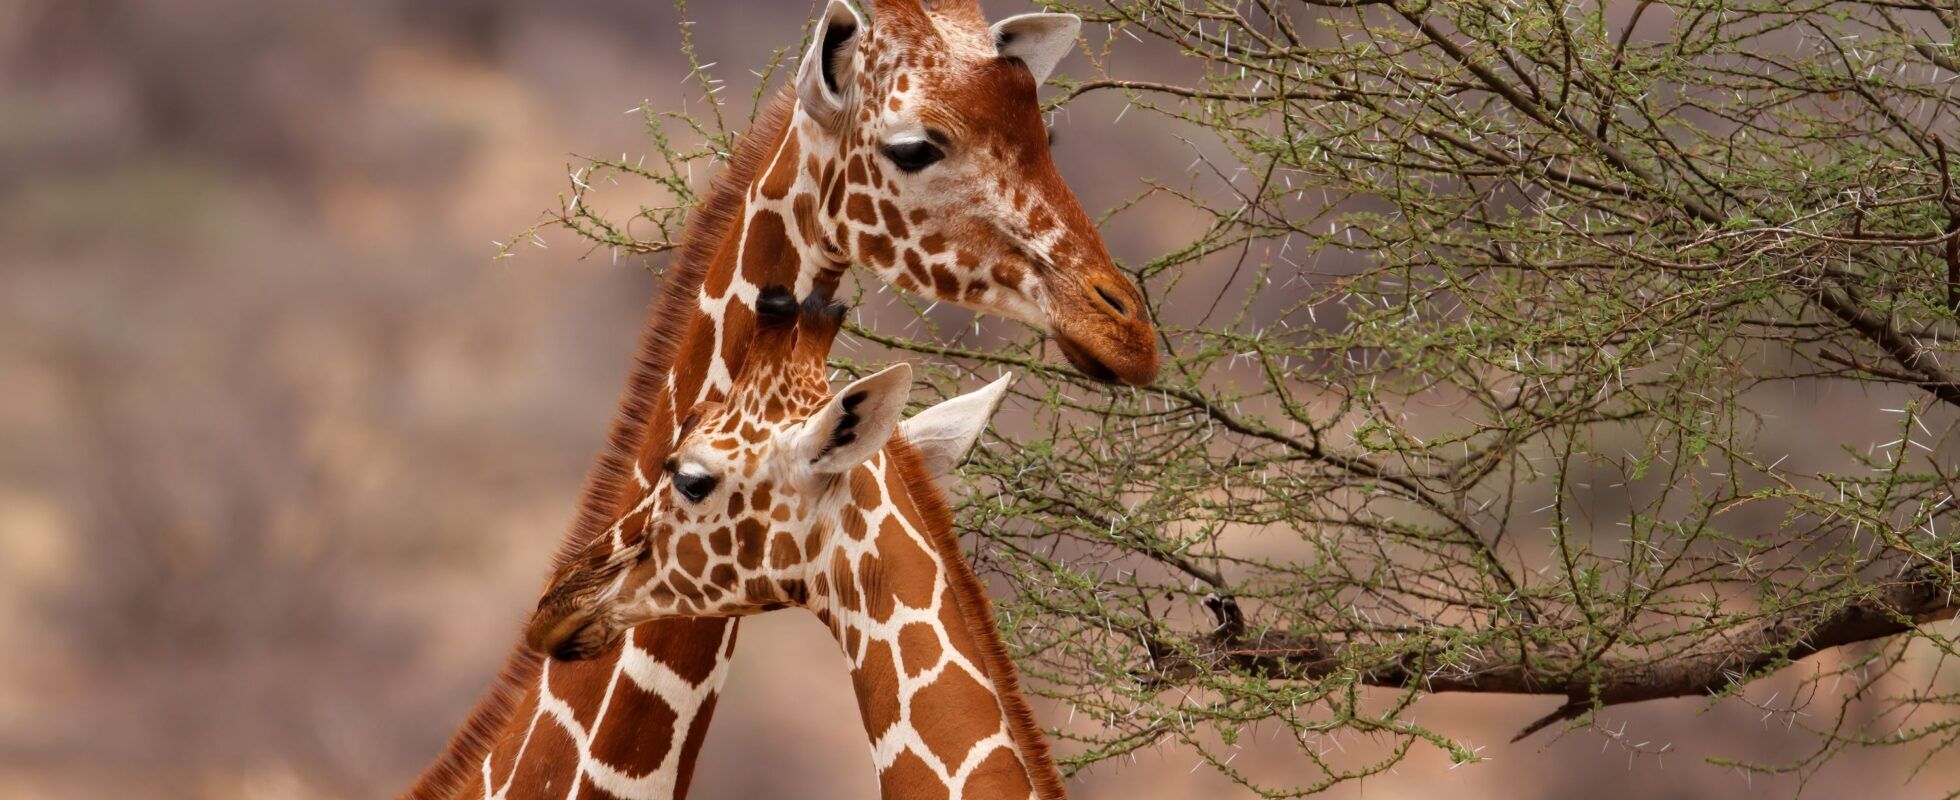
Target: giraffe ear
<point>856,423</point>
<point>945,432</point>
<point>825,75</point>
<point>1039,40</point>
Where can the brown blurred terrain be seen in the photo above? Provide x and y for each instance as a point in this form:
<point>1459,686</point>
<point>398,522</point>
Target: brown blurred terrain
<point>283,452</point>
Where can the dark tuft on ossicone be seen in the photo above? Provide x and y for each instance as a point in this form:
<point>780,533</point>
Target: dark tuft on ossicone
<point>822,317</point>
<point>775,305</point>
<point>820,306</point>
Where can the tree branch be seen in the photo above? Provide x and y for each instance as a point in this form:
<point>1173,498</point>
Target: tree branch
<point>1922,594</point>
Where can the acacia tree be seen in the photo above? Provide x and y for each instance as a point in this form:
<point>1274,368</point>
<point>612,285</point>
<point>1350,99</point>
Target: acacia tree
<point>1495,397</point>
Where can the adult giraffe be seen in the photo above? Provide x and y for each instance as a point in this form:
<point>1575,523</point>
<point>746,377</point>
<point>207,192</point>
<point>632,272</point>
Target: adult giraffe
<point>786,496</point>
<point>912,145</point>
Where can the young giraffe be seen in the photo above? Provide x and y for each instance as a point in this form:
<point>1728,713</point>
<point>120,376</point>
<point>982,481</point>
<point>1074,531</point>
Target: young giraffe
<point>786,496</point>
<point>914,146</point>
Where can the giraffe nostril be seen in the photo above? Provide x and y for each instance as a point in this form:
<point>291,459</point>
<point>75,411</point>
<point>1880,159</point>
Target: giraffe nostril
<point>1111,300</point>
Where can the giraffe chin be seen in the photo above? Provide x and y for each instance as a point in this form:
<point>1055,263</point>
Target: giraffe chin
<point>1086,362</point>
<point>573,637</point>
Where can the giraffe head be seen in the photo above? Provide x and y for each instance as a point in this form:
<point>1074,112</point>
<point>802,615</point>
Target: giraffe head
<point>746,515</point>
<point>932,166</point>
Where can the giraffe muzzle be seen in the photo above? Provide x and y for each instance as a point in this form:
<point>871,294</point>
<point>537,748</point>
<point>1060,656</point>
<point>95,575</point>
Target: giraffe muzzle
<point>1103,328</point>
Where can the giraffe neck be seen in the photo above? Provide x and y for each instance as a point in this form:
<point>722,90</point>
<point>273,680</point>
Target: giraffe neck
<point>939,698</point>
<point>630,723</point>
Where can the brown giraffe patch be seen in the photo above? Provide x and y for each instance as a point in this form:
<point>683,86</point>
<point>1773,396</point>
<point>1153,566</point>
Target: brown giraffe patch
<point>684,587</point>
<point>860,209</point>
<point>906,564</point>
<point>853,524</point>
<point>864,490</point>
<point>765,249</point>
<point>588,789</point>
<point>847,592</point>
<point>693,559</point>
<point>703,640</point>
<point>782,551</point>
<point>541,772</point>
<point>878,605</point>
<point>717,281</point>
<point>1042,221</point>
<point>750,537</point>
<point>910,777</point>
<point>777,183</point>
<point>894,221</point>
<point>804,208</point>
<point>1007,274</point>
<point>1000,774</point>
<point>504,758</point>
<point>950,736</point>
<point>876,248</point>
<point>877,685</point>
<point>854,171</point>
<point>849,639</point>
<point>919,646</point>
<point>957,632</point>
<point>943,281</point>
<point>699,348</point>
<point>574,683</point>
<point>653,735</point>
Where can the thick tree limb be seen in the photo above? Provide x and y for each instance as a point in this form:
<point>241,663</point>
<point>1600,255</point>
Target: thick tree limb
<point>1887,337</point>
<point>1922,594</point>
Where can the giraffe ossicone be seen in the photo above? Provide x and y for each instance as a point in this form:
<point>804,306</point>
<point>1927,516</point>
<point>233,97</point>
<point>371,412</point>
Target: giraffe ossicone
<point>787,495</point>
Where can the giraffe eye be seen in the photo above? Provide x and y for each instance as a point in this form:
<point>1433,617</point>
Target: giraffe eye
<point>913,155</point>
<point>694,486</point>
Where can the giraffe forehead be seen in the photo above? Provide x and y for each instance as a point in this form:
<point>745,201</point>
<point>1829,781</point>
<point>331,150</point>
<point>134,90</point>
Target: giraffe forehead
<point>947,37</point>
<point>992,98</point>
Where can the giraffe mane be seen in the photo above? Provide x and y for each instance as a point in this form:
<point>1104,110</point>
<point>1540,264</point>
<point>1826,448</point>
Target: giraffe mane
<point>671,310</point>
<point>971,597</point>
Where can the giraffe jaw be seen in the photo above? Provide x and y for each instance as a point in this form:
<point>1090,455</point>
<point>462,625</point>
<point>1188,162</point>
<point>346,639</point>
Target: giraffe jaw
<point>569,623</point>
<point>572,637</point>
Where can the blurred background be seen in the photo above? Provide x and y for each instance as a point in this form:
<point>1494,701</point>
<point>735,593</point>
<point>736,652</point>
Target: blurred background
<point>284,451</point>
